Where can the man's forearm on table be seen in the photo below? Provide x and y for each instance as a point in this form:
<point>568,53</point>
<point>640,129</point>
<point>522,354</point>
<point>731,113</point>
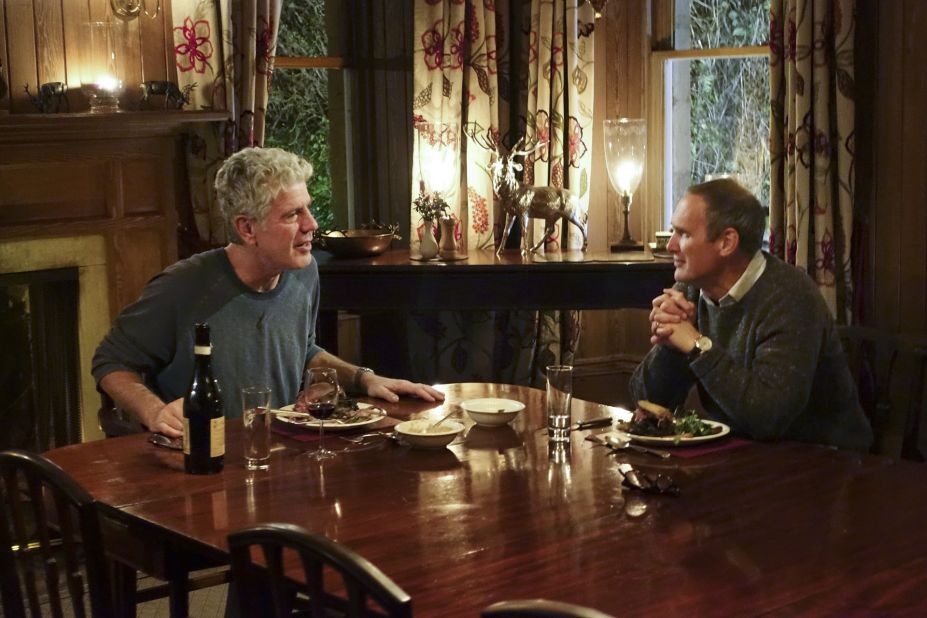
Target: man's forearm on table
<point>129,392</point>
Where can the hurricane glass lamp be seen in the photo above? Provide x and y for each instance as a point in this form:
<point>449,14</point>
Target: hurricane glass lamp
<point>102,64</point>
<point>437,148</point>
<point>625,149</point>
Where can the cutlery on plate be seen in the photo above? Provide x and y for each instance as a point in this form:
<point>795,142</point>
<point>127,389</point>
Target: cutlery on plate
<point>591,423</point>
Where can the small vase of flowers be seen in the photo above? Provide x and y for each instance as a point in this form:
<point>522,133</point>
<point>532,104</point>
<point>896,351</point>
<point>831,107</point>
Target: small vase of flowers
<point>431,207</point>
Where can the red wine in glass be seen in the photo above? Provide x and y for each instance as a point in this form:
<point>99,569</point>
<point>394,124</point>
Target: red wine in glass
<point>321,410</point>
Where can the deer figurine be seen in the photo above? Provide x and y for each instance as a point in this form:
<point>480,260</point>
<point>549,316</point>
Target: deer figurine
<point>527,202</point>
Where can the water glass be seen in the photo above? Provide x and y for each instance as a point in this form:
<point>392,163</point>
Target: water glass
<point>559,402</point>
<point>255,405</point>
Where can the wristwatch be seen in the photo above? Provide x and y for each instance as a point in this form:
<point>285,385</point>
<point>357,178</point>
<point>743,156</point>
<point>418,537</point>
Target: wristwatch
<point>702,344</point>
<point>358,375</point>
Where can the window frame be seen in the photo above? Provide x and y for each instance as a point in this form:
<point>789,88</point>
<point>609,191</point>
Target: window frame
<point>657,217</point>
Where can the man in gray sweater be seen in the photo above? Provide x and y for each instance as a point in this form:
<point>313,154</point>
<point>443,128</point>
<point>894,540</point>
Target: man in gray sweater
<point>750,331</point>
<point>259,295</point>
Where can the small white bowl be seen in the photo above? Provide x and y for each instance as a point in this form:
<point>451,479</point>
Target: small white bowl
<point>413,433</point>
<point>492,412</point>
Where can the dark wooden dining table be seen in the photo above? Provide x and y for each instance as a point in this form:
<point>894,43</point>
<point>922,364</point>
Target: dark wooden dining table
<point>759,528</point>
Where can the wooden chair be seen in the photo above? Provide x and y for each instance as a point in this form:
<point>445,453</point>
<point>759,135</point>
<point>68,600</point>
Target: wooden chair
<point>890,378</point>
<point>48,526</point>
<point>540,608</point>
<point>266,591</point>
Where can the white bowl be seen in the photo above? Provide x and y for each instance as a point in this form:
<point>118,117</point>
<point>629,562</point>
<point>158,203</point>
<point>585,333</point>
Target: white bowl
<point>492,412</point>
<point>413,433</point>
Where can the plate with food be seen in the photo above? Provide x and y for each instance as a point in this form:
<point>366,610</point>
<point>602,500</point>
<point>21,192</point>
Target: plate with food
<point>654,424</point>
<point>348,415</point>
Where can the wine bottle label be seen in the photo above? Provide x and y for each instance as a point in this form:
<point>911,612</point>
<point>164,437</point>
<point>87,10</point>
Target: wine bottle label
<point>186,436</point>
<point>202,350</point>
<point>217,437</point>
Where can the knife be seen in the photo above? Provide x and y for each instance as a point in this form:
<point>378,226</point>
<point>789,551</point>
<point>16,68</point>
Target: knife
<point>592,423</point>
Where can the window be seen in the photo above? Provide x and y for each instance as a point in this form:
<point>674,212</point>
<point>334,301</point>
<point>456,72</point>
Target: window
<point>298,116</point>
<point>710,112</point>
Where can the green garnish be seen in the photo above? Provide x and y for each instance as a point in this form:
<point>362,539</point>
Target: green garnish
<point>691,425</point>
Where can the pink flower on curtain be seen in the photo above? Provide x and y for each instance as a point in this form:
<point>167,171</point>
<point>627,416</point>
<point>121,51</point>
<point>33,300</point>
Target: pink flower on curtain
<point>480,215</point>
<point>542,135</point>
<point>491,55</point>
<point>824,265</point>
<point>793,39</point>
<point>433,42</point>
<point>458,45</point>
<point>821,143</point>
<point>775,38</point>
<point>577,146</point>
<point>264,56</point>
<point>533,47</point>
<point>489,5</point>
<point>196,48</point>
<point>556,56</point>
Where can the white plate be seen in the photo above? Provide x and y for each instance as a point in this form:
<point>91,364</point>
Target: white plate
<point>377,414</point>
<point>673,441</point>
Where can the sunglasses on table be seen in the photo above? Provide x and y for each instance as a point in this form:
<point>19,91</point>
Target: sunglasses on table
<point>658,484</point>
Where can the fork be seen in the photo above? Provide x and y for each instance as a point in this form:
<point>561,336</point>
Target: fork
<point>362,438</point>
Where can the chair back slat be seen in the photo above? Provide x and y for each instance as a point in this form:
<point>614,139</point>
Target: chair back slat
<point>361,579</point>
<point>889,374</point>
<point>49,528</point>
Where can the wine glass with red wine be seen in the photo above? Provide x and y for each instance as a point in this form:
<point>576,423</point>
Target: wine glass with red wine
<point>320,395</point>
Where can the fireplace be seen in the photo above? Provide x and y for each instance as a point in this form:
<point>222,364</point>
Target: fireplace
<point>97,193</point>
<point>57,290</point>
<point>39,407</point>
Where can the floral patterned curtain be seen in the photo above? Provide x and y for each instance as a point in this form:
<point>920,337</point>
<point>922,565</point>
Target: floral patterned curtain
<point>812,141</point>
<point>223,50</point>
<point>464,74</point>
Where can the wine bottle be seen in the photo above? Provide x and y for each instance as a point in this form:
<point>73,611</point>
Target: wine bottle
<point>203,418</point>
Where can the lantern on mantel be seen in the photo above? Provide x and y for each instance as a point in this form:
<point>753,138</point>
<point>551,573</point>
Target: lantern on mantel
<point>102,64</point>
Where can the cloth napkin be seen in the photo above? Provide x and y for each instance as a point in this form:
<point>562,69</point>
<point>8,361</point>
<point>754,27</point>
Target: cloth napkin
<point>311,434</point>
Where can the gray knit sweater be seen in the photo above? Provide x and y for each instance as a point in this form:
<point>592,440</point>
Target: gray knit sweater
<point>776,369</point>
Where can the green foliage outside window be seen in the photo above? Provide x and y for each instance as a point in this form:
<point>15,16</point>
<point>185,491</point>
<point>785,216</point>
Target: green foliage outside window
<point>730,96</point>
<point>297,112</point>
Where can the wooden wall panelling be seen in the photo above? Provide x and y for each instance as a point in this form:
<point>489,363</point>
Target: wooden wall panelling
<point>74,14</point>
<point>912,311</point>
<point>4,70</point>
<point>49,29</point>
<point>21,45</point>
<point>627,57</point>
<point>133,63</point>
<point>890,166</point>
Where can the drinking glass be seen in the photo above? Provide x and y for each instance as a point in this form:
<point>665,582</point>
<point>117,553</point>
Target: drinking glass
<point>255,405</point>
<point>320,395</point>
<point>559,402</point>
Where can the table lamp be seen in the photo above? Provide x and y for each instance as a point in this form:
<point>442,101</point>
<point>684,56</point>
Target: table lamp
<point>625,148</point>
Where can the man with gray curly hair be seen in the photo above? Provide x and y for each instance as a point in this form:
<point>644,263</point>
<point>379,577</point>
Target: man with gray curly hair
<point>259,295</point>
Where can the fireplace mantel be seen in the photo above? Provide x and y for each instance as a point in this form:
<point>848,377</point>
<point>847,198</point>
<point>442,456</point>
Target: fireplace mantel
<point>26,128</point>
<point>101,193</point>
